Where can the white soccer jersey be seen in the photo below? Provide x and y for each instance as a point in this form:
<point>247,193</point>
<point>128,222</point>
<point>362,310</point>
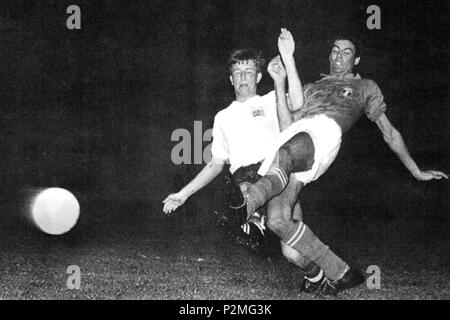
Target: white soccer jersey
<point>244,131</point>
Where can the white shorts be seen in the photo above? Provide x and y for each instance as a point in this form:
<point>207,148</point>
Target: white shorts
<point>326,136</point>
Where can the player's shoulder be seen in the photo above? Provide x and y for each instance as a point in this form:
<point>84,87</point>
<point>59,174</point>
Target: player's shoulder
<point>370,87</point>
<point>269,97</point>
<point>225,112</point>
<point>369,83</point>
<point>266,101</point>
<point>308,86</point>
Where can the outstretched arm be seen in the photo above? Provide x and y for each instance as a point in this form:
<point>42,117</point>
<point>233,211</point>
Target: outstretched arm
<point>395,141</point>
<point>278,74</point>
<point>286,47</point>
<point>208,173</point>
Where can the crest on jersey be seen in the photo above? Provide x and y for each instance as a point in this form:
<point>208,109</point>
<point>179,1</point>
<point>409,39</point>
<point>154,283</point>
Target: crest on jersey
<point>347,92</point>
<point>258,113</point>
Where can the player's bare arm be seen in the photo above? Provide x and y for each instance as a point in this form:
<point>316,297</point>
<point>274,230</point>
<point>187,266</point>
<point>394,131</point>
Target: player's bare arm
<point>203,178</point>
<point>278,74</point>
<point>395,141</point>
<point>286,47</point>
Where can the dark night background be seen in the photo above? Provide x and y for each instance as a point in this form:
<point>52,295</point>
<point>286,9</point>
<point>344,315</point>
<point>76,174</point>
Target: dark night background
<point>93,110</point>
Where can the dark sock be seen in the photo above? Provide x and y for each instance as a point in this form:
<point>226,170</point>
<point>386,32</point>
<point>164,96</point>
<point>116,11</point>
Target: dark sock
<point>312,272</point>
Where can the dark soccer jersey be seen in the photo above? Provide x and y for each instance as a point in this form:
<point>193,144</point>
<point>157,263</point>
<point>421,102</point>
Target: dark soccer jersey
<point>342,99</point>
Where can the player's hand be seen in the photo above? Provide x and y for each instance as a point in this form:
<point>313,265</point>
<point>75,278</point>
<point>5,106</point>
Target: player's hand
<point>173,201</point>
<point>430,175</point>
<point>286,44</point>
<point>276,70</point>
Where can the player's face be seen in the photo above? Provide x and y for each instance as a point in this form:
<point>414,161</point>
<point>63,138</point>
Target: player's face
<point>244,78</point>
<point>342,57</point>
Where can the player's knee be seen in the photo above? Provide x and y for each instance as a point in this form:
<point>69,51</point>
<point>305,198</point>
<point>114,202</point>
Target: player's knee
<point>297,154</point>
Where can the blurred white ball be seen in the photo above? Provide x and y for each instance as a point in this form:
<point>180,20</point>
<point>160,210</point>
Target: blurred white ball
<point>55,210</point>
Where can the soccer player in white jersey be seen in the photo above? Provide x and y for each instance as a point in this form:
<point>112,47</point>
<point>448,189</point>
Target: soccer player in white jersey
<point>243,131</point>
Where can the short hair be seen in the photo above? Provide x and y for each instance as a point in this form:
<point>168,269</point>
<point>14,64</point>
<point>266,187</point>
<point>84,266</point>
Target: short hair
<point>352,39</point>
<point>240,55</point>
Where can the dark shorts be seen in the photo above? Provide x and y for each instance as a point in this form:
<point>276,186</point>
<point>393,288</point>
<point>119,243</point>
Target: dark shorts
<point>243,174</point>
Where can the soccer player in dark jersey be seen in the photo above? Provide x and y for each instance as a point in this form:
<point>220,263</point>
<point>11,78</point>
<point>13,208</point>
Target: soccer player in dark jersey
<point>320,113</point>
<point>242,133</point>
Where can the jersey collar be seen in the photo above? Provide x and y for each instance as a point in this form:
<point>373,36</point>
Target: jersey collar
<point>248,100</point>
<point>340,77</point>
